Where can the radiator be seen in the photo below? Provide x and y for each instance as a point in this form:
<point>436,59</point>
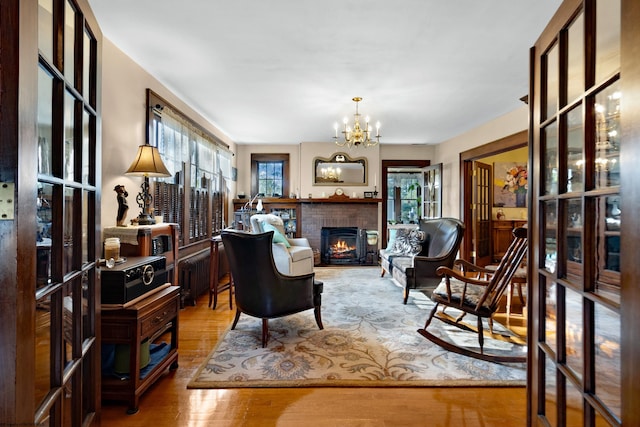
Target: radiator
<point>193,272</point>
<point>194,276</point>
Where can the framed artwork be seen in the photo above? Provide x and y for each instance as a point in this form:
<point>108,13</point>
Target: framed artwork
<point>510,185</point>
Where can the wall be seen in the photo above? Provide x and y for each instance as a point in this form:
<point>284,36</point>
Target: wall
<point>243,156</point>
<point>448,153</point>
<point>123,129</point>
<point>124,122</point>
<point>407,152</point>
<point>301,158</point>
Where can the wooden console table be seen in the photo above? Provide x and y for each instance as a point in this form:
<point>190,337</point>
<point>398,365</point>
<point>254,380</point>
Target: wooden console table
<point>132,324</point>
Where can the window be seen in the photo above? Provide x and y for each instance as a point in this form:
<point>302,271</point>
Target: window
<point>270,174</point>
<point>195,194</point>
<point>270,178</point>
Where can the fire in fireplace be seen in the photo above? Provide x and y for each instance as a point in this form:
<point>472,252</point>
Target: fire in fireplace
<point>343,246</point>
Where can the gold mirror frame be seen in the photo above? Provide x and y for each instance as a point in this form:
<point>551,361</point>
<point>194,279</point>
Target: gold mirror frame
<point>340,169</point>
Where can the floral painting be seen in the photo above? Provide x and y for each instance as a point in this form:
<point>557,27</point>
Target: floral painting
<point>510,180</point>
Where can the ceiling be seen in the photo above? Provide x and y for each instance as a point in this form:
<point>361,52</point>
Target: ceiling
<point>284,71</point>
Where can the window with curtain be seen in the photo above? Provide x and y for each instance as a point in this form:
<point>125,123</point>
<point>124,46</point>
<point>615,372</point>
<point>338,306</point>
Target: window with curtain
<point>195,194</point>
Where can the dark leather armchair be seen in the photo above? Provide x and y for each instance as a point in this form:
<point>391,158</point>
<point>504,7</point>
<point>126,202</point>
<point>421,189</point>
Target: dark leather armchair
<point>260,290</point>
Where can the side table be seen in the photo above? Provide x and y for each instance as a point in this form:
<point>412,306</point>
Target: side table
<point>132,325</point>
<point>214,266</point>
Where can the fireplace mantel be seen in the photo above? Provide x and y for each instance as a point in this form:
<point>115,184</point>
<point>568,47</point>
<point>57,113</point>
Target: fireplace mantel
<point>341,200</point>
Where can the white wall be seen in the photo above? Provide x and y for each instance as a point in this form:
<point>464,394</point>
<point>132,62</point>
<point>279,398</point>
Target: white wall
<point>124,87</point>
<point>407,152</point>
<point>448,153</point>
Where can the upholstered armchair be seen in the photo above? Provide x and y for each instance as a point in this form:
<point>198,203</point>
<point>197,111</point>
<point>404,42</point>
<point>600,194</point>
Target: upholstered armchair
<point>293,256</point>
<point>260,290</point>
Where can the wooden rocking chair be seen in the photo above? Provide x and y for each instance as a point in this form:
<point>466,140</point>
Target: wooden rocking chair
<point>479,296</point>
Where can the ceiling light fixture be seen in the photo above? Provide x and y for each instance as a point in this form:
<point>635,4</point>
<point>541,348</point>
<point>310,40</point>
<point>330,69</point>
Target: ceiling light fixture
<point>356,136</point>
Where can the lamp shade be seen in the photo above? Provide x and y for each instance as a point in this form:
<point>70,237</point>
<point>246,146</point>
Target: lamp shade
<point>148,163</point>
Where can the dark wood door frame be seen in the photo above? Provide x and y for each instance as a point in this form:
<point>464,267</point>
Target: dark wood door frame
<point>508,143</point>
<point>386,165</point>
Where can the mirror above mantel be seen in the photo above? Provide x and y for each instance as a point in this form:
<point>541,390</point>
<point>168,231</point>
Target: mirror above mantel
<point>340,169</point>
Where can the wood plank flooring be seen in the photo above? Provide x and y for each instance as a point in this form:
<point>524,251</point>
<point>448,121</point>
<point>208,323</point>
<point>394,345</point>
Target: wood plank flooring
<point>168,403</point>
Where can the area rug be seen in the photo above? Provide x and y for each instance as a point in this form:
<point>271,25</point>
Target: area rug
<point>370,339</point>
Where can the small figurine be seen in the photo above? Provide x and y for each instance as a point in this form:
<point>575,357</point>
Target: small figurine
<point>500,215</point>
<point>123,207</point>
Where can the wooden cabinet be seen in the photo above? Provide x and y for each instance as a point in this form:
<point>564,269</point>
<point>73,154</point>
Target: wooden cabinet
<point>502,235</point>
<point>287,209</point>
<point>147,240</point>
<point>132,329</point>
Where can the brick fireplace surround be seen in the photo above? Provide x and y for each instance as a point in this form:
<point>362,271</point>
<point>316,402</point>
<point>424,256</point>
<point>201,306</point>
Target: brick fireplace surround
<point>348,213</point>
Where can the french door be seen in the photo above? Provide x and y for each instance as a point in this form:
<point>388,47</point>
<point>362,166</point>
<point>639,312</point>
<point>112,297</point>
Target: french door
<point>49,311</point>
<point>583,277</point>
<point>481,208</point>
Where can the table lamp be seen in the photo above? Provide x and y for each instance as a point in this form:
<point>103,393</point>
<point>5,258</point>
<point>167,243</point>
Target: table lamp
<point>147,163</point>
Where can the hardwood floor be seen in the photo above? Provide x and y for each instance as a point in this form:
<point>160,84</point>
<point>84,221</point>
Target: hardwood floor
<point>168,403</point>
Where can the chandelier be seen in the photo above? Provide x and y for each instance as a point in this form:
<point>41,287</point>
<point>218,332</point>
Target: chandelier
<point>356,136</point>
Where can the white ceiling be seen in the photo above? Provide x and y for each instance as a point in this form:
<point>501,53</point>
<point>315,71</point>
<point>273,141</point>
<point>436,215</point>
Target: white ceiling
<point>284,71</point>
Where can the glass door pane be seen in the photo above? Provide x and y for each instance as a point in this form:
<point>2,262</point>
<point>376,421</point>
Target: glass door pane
<point>607,38</point>
<point>550,225</point>
<point>575,157</point>
<point>552,83</point>
<point>44,237</point>
<point>550,401</point>
<point>45,28</point>
<point>68,230</point>
<point>551,316</point>
<point>574,332</point>
<point>69,42</point>
<point>550,160</point>
<point>607,137</point>
<point>69,136</point>
<point>575,65</point>
<point>607,358</point>
<point>45,113</point>
<point>573,240</point>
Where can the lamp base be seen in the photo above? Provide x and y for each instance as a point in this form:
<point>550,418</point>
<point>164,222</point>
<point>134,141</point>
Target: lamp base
<point>146,219</point>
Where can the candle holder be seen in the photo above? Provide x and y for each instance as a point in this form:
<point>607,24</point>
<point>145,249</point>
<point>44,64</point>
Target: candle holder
<point>375,191</point>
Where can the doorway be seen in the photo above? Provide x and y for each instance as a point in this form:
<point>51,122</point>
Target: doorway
<point>396,167</point>
<point>476,209</point>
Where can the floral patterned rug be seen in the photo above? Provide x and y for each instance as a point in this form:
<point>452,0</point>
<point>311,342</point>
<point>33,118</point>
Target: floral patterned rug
<point>370,339</point>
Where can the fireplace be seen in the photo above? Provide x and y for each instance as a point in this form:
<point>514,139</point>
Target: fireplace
<point>344,246</point>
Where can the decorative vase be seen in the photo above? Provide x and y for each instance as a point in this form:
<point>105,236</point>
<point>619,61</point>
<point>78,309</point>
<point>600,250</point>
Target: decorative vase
<point>521,199</point>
